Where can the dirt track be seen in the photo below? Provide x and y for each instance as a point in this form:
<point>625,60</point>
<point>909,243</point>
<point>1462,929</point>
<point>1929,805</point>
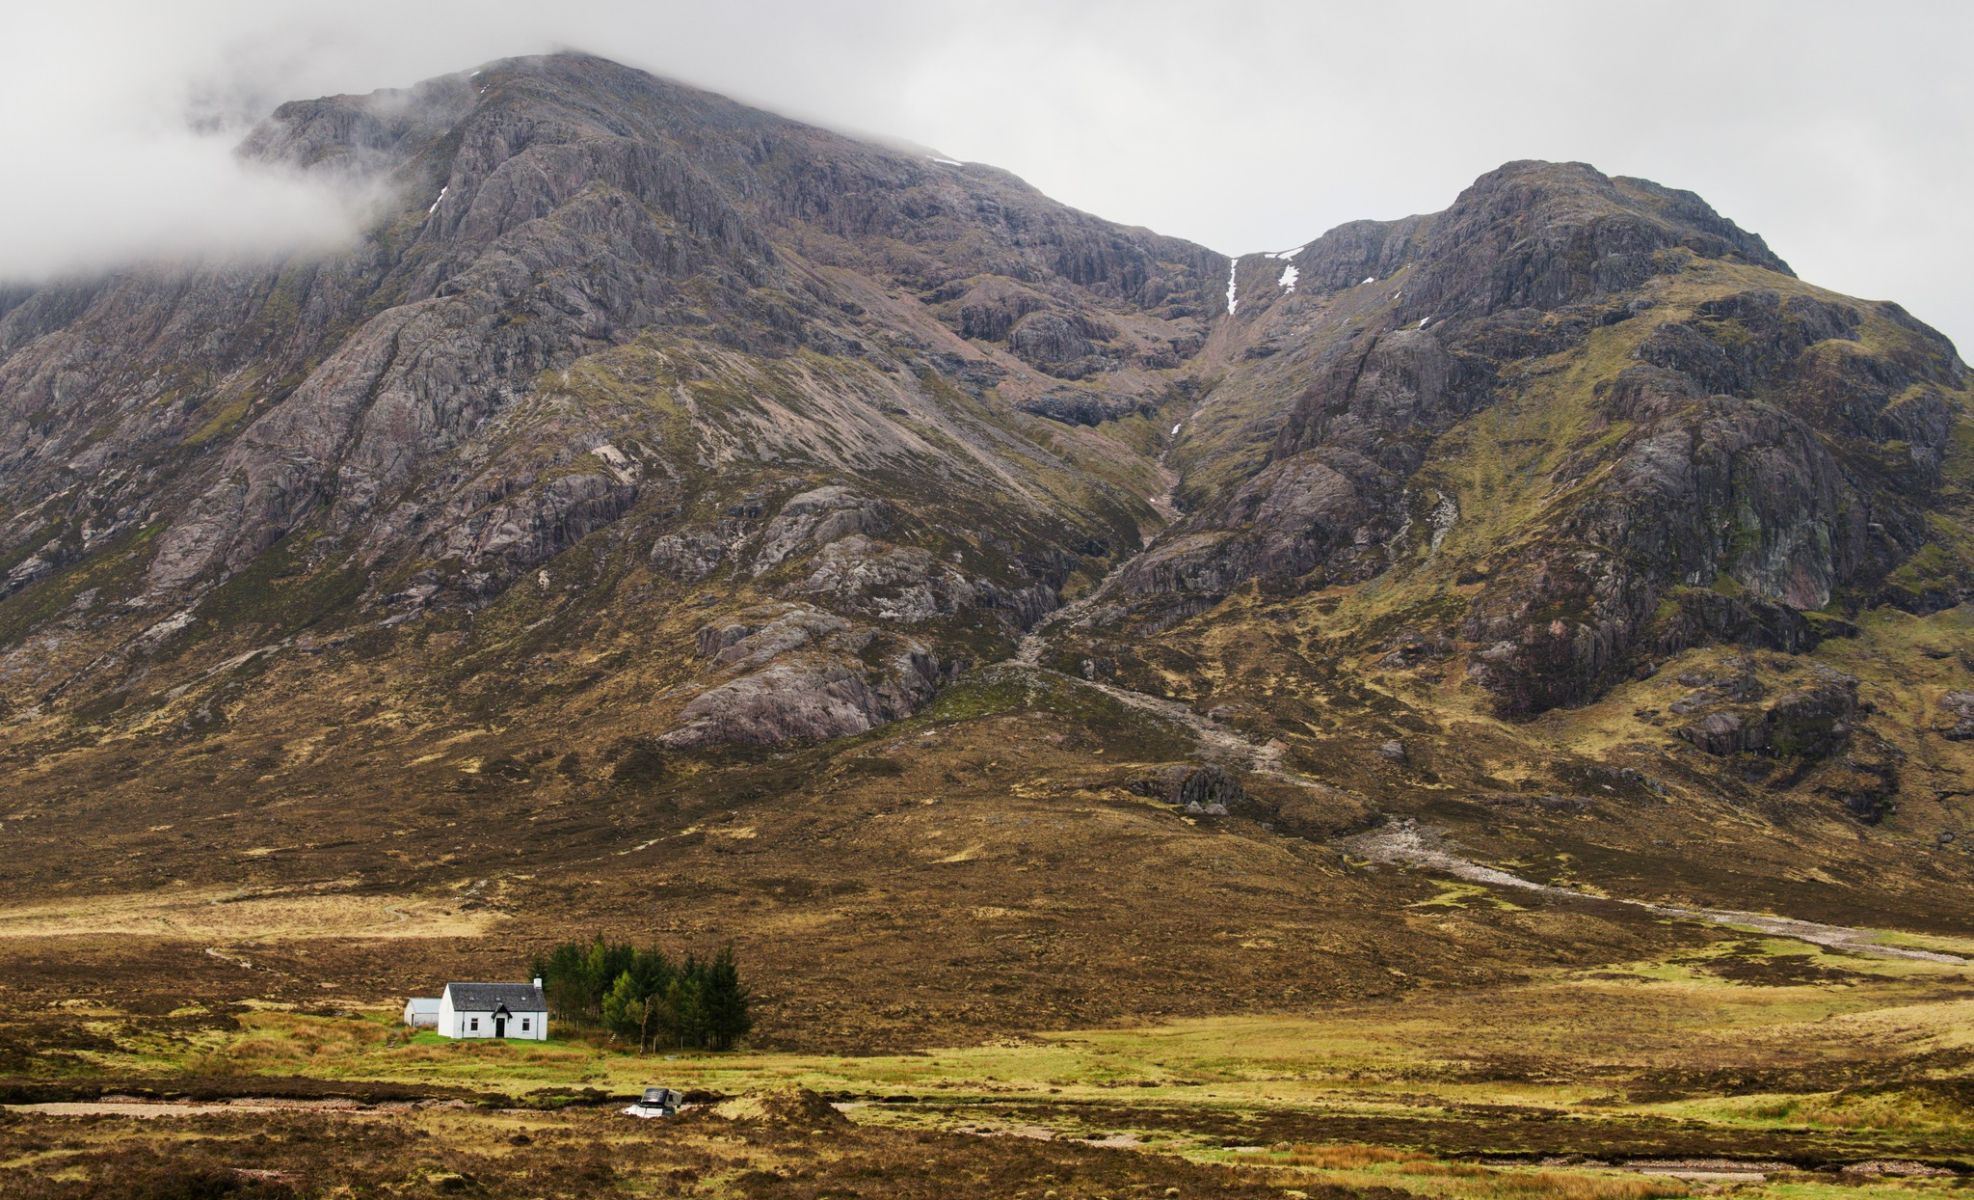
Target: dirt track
<point>1406,843</point>
<point>145,1109</point>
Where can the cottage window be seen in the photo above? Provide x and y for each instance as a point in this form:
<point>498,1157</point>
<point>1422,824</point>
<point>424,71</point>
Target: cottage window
<point>524,1024</point>
<point>476,1024</point>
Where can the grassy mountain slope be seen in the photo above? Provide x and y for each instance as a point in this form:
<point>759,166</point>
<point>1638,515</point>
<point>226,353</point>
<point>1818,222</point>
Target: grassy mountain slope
<point>676,520</point>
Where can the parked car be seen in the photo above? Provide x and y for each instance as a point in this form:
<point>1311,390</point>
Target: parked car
<point>656,1102</point>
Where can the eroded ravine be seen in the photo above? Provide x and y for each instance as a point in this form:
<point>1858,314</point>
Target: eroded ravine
<point>1028,652</point>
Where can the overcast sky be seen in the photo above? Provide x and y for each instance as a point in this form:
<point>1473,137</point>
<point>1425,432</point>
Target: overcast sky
<point>1840,132</point>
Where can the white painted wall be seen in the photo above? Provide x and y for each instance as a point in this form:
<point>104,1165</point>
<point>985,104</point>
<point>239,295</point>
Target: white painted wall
<point>456,1023</point>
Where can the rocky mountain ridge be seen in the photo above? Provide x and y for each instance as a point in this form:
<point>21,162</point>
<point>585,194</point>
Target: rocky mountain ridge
<point>647,441</point>
<point>409,410</point>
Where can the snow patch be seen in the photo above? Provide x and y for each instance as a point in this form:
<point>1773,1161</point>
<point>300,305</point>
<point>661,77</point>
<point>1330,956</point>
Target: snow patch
<point>1289,276</point>
<point>1232,303</point>
<point>1369,279</point>
<point>1422,321</point>
<point>951,162</point>
<point>439,201</point>
<point>1175,429</point>
<point>1290,253</point>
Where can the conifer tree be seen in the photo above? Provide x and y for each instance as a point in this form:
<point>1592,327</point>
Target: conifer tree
<point>645,995</point>
<point>623,1009</point>
<point>724,1000</point>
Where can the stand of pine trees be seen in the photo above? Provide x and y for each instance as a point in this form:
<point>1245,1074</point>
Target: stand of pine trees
<point>644,996</point>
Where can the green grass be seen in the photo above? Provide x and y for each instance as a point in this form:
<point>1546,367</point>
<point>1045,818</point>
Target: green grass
<point>1420,1093</point>
<point>1562,1041</point>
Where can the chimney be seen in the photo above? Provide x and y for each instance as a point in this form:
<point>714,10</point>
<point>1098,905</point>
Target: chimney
<point>538,983</point>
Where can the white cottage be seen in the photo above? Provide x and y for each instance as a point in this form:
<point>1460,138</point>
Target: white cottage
<point>422,1012</point>
<point>494,1010</point>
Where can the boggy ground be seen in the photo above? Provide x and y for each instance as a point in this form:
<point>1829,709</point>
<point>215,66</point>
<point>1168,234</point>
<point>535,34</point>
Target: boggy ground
<point>1783,1069</point>
<point>447,1152</point>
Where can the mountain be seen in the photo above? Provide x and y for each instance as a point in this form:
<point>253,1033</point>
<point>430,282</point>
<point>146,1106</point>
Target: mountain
<point>897,571</point>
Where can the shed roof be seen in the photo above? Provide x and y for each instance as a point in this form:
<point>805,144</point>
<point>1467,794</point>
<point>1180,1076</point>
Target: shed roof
<point>423,1004</point>
<point>486,997</point>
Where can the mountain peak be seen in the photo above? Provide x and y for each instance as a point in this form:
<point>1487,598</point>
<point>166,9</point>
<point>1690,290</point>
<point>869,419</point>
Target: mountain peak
<point>1545,235</point>
<point>1575,193</point>
<point>641,423</point>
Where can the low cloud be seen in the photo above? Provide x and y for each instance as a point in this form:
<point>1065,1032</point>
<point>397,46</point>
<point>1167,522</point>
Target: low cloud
<point>128,198</point>
<point>1255,127</point>
<point>119,139</point>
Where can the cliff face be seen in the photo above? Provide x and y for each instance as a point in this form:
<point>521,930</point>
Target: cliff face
<point>1708,449</point>
<point>600,305</point>
<point>642,426</point>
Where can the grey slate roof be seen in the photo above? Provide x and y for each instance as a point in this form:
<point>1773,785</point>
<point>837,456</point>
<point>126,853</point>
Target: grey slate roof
<point>485,997</point>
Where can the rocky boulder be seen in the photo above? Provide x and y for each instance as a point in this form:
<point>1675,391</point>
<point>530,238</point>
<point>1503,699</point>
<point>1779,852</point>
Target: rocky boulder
<point>1811,722</point>
<point>1208,789</point>
<point>1957,709</point>
<point>816,518</point>
<point>807,700</point>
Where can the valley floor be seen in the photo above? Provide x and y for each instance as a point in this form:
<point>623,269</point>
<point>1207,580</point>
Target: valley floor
<point>988,963</point>
<point>1766,1065</point>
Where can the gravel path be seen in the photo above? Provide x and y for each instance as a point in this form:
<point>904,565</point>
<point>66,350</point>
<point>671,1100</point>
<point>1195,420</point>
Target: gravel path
<point>1406,843</point>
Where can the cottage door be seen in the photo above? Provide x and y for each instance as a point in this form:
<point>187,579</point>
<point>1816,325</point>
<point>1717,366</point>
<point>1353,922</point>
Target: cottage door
<point>500,1027</point>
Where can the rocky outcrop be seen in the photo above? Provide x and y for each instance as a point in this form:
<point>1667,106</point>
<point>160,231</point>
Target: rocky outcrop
<point>1198,790</point>
<point>1717,517</point>
<point>1957,712</point>
<point>1550,235</point>
<point>1048,339</point>
<point>1084,408</point>
<point>807,700</point>
<point>528,527</point>
<point>360,136</point>
<point>762,635</point>
<point>1324,512</point>
<point>688,557</point>
<point>1411,648</point>
<point>783,702</point>
<point>1351,253</point>
<point>988,308</point>
<point>816,518</point>
<point>1813,721</point>
<point>1736,683</point>
<point>1385,399</point>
